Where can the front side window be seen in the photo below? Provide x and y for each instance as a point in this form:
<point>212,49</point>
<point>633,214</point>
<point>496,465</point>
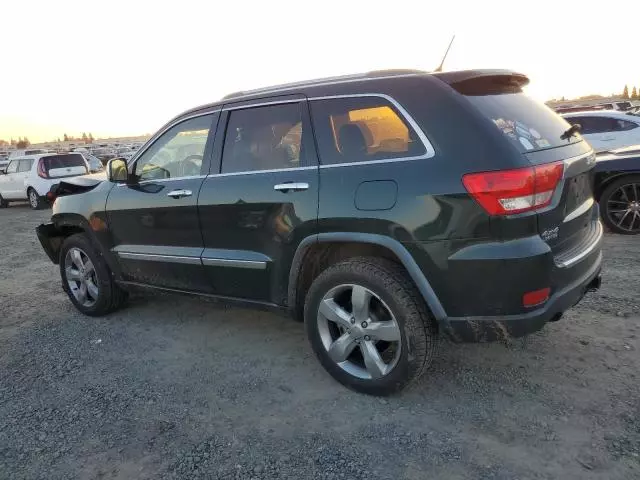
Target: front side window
<point>176,153</point>
<point>13,166</point>
<point>360,129</point>
<point>263,138</point>
<point>623,125</point>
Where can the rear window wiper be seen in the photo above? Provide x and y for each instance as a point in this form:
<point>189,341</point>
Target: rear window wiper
<point>571,131</point>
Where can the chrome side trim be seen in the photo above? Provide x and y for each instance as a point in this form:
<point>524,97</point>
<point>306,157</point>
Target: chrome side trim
<point>372,162</point>
<point>586,205</point>
<point>429,150</point>
<point>151,257</point>
<point>575,259</point>
<point>225,262</point>
<point>253,172</point>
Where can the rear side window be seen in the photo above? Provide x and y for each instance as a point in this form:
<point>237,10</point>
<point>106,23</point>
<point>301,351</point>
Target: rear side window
<point>596,124</point>
<point>63,161</point>
<point>25,165</point>
<point>264,138</point>
<point>359,129</point>
<point>528,124</point>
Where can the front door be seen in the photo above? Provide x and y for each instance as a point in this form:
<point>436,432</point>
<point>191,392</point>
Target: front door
<point>154,223</point>
<point>260,200</point>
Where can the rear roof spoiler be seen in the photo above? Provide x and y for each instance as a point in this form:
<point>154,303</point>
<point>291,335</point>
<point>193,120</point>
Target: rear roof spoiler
<point>506,77</point>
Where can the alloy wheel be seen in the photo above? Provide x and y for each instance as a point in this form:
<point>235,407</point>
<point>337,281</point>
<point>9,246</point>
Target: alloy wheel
<point>359,331</point>
<point>623,207</point>
<point>81,276</point>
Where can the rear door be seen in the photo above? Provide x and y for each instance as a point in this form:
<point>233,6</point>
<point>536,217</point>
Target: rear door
<point>24,169</point>
<point>260,200</point>
<point>154,223</point>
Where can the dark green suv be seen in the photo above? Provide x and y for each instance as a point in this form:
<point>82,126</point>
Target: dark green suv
<point>383,209</point>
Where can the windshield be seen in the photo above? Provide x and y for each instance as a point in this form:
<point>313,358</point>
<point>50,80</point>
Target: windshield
<point>528,124</point>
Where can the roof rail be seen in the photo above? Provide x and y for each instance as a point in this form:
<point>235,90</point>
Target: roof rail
<point>319,81</point>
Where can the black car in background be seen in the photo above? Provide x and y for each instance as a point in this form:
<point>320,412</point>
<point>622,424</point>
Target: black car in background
<point>384,209</point>
<point>617,188</point>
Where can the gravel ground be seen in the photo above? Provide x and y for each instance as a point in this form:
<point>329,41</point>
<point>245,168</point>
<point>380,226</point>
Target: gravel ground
<point>181,387</point>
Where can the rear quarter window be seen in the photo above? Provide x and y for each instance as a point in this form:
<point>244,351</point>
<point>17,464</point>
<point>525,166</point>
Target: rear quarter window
<point>358,129</point>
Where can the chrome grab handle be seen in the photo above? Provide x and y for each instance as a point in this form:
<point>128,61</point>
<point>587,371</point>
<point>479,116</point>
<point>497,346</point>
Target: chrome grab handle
<point>291,186</point>
<point>179,193</point>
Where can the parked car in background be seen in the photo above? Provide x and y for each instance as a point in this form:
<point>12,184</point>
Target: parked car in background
<point>4,161</point>
<point>617,188</point>
<point>95,165</point>
<point>607,130</point>
<point>31,177</point>
<point>23,152</point>
<point>362,227</point>
<point>104,154</point>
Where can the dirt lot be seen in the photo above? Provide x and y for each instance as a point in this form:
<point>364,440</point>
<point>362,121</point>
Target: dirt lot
<point>180,387</point>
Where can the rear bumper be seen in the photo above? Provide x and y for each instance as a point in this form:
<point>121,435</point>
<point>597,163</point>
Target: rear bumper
<point>502,327</point>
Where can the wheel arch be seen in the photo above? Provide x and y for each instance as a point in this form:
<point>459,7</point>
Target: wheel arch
<point>607,177</point>
<point>336,246</point>
<point>62,226</point>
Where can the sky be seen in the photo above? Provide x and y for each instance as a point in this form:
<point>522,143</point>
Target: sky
<point>119,68</point>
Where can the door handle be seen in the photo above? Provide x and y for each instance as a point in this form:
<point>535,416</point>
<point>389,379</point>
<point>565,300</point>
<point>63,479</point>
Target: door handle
<point>179,193</point>
<point>291,187</point>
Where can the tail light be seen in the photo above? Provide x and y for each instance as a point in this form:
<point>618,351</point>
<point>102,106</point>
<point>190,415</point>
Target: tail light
<point>537,297</point>
<point>506,192</point>
<point>42,172</point>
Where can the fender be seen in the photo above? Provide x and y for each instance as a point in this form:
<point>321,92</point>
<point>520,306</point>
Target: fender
<point>421,282</point>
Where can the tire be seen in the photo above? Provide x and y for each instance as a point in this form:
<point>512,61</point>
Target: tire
<point>102,294</point>
<point>621,198</point>
<point>3,203</point>
<point>36,202</point>
<point>394,298</point>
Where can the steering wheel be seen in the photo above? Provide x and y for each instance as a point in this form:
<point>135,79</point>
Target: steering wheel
<point>188,167</point>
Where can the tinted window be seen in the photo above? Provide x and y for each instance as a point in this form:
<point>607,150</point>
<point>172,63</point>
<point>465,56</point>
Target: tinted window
<point>362,128</point>
<point>263,138</point>
<point>13,167</point>
<point>528,124</point>
<point>63,161</point>
<point>597,124</point>
<point>623,125</point>
<point>25,165</point>
<point>176,153</point>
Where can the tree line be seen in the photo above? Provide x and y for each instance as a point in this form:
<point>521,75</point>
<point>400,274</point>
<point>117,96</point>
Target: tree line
<point>635,93</point>
<point>23,142</point>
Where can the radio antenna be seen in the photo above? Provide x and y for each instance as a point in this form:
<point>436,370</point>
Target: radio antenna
<point>439,69</point>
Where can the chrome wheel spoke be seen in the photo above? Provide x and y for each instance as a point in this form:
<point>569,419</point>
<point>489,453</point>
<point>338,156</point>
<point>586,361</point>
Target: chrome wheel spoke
<point>387,331</point>
<point>624,194</point>
<point>618,201</point>
<point>88,267</point>
<point>334,313</point>
<point>360,300</point>
<point>372,360</point>
<point>342,347</point>
<point>76,257</point>
<point>92,290</point>
<point>81,293</point>
<point>623,217</point>
<point>73,274</point>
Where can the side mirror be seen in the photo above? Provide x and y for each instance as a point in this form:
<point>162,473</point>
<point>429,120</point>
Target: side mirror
<point>117,170</point>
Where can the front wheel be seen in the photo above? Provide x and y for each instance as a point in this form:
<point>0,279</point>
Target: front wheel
<point>87,279</point>
<point>620,205</point>
<point>3,202</point>
<point>369,326</point>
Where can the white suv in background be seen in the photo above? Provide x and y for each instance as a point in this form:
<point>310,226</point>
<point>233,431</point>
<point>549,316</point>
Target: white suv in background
<point>31,177</point>
<point>607,130</point>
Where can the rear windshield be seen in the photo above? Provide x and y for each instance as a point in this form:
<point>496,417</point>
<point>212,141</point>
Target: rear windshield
<point>528,124</point>
<point>64,161</point>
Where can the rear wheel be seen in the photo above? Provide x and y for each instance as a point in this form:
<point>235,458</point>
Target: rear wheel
<point>368,326</point>
<point>87,279</point>
<point>620,205</point>
<point>35,201</point>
